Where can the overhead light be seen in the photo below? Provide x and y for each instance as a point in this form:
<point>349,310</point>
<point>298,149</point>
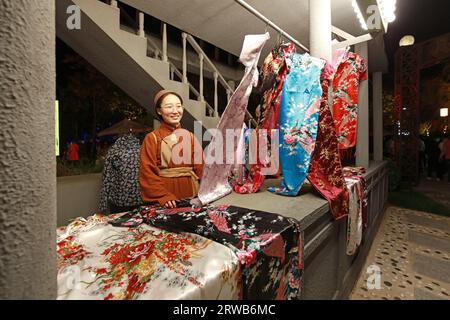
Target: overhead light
<point>407,41</point>
<point>371,12</point>
<point>444,112</point>
<point>359,14</point>
<point>387,9</point>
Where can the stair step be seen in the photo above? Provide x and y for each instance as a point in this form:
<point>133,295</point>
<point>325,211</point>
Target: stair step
<point>196,108</point>
<point>210,122</point>
<point>104,15</point>
<point>107,18</point>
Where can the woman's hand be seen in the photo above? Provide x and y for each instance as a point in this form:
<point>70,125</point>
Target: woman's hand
<point>171,204</point>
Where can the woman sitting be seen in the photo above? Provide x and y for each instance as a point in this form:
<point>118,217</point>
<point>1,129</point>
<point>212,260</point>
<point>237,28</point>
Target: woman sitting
<point>171,158</point>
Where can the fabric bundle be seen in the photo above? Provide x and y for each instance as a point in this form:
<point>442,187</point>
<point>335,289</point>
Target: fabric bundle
<point>357,218</point>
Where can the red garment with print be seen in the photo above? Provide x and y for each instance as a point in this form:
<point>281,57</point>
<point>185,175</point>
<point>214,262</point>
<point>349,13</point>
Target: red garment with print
<point>350,73</point>
<point>273,74</point>
<point>325,170</point>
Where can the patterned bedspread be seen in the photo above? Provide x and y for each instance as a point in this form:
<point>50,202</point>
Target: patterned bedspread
<point>99,261</point>
<point>269,246</point>
<point>211,252</point>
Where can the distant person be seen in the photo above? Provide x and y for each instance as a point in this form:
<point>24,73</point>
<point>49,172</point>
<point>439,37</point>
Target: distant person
<point>389,147</point>
<point>433,152</point>
<point>120,183</point>
<point>445,155</point>
<point>421,146</point>
<point>83,150</point>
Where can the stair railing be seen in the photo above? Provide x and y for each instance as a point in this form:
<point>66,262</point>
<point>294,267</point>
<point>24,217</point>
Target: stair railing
<point>218,78</point>
<point>161,54</point>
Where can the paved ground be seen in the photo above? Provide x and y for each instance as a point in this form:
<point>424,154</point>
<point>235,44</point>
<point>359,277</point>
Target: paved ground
<point>412,251</point>
<point>437,190</point>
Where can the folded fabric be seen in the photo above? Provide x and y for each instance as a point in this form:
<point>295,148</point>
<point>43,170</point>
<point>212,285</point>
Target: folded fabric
<point>99,261</point>
<point>358,208</point>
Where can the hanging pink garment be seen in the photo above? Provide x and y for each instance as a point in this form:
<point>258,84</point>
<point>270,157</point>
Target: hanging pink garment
<point>214,183</point>
<point>325,171</point>
<point>339,56</point>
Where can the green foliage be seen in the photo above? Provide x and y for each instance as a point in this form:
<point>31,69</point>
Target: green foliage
<point>394,175</point>
<point>84,166</point>
<point>89,102</point>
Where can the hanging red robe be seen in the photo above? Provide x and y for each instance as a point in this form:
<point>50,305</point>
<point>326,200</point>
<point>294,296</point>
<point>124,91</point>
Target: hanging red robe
<point>325,171</point>
<point>350,73</point>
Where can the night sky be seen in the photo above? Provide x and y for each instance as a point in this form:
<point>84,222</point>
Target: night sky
<point>424,19</point>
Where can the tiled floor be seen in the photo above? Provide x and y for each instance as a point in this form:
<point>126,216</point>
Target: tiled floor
<point>412,252</point>
<point>438,191</point>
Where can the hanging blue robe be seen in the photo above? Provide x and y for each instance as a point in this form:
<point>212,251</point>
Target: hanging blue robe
<point>298,121</point>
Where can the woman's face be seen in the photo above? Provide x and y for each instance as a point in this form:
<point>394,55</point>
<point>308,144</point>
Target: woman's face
<point>171,110</point>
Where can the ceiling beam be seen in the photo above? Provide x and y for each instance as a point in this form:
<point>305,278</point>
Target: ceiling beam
<point>341,33</point>
<point>355,40</point>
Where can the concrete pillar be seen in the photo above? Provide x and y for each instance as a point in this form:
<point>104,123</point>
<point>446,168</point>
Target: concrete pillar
<point>27,150</point>
<point>362,142</point>
<point>320,29</point>
<point>377,82</point>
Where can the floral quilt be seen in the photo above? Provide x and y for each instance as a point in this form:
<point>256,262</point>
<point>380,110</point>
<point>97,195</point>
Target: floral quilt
<point>99,261</point>
<point>268,246</point>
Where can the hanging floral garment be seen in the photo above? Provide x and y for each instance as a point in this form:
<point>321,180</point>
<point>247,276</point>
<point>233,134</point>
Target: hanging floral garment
<point>214,183</point>
<point>325,171</point>
<point>273,74</point>
<point>120,178</point>
<point>268,246</point>
<point>99,261</point>
<point>298,121</point>
<point>350,73</point>
<point>357,218</point>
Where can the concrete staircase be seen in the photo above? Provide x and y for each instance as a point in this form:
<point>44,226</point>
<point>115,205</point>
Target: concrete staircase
<point>122,57</point>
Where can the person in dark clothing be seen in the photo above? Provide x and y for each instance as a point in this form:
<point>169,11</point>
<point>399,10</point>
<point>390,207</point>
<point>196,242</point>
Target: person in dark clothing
<point>120,183</point>
<point>432,151</point>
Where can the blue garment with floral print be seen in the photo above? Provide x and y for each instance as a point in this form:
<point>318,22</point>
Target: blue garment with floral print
<point>298,120</point>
